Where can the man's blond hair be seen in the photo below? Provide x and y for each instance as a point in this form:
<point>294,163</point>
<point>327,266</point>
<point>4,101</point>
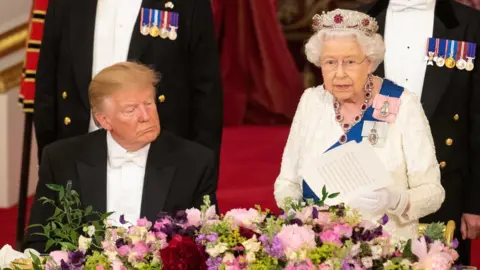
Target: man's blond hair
<point>119,76</point>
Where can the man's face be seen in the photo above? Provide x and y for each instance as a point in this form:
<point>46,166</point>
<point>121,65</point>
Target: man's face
<point>131,116</point>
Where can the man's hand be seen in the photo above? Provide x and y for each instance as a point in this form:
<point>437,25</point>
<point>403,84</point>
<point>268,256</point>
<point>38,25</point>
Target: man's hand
<point>470,226</point>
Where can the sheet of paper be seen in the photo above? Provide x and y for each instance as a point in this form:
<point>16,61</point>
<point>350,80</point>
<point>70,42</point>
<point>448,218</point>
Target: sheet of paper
<point>348,169</point>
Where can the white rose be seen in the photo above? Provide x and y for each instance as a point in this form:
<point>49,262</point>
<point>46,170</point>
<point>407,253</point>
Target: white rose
<point>252,245</point>
<point>376,252</point>
<point>84,243</point>
<point>217,250</point>
<point>228,258</point>
<point>91,230</point>
<point>367,262</point>
<point>250,257</point>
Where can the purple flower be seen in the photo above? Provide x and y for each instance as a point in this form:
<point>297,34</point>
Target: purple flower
<point>64,265</point>
<point>296,221</point>
<point>214,263</point>
<point>212,237</point>
<point>122,219</point>
<point>384,219</point>
<point>120,242</point>
<point>163,215</point>
<point>314,213</point>
<point>346,265</point>
<point>455,243</point>
<point>273,249</point>
<point>181,217</point>
<point>76,258</point>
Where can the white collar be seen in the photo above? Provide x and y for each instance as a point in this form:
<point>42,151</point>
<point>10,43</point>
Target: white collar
<point>116,151</point>
<point>406,5</point>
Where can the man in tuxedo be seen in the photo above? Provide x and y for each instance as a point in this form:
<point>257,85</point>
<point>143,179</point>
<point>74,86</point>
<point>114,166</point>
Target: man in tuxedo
<point>174,37</point>
<point>450,96</point>
<point>131,166</point>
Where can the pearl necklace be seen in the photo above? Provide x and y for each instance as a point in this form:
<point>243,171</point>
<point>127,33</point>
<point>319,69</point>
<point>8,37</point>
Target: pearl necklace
<point>339,117</point>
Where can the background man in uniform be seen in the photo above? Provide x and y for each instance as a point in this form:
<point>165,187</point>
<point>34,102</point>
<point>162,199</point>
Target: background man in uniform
<point>450,97</point>
<point>175,38</point>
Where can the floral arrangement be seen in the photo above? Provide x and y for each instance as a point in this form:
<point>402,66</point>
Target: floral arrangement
<point>304,236</point>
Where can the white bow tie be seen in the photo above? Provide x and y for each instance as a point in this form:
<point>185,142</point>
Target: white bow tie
<point>118,160</point>
<point>401,5</point>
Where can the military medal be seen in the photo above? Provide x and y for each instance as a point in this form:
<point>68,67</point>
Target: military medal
<point>373,136</point>
<point>471,48</point>
<point>173,26</point>
<point>450,62</point>
<point>154,31</point>
<point>435,56</point>
<point>430,51</point>
<point>145,21</point>
<point>164,32</point>
<point>442,52</point>
<point>385,109</point>
<point>461,63</point>
<point>169,4</point>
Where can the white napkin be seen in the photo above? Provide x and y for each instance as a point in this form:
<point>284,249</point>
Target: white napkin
<point>8,254</point>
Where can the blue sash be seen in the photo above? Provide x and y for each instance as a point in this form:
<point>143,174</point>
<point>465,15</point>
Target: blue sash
<point>355,133</point>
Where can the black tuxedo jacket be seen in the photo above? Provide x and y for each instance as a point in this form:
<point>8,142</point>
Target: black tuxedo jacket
<point>178,174</point>
<point>451,100</point>
<point>189,93</point>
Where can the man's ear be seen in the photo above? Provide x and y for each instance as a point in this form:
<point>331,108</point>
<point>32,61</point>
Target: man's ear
<point>101,120</point>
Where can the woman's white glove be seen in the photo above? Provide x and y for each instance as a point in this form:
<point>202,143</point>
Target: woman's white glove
<point>381,201</point>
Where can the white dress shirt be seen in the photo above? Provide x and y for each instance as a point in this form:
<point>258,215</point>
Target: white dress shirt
<point>408,26</point>
<point>114,24</point>
<point>408,154</point>
<point>125,177</point>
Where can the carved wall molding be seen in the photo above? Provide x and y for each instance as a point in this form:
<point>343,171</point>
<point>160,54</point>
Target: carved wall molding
<point>10,77</point>
<point>13,39</point>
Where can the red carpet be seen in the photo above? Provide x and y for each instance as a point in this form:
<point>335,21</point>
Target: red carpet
<point>250,163</point>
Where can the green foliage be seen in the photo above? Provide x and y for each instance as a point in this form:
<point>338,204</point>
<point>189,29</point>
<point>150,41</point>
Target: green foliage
<point>64,227</point>
<point>435,231</point>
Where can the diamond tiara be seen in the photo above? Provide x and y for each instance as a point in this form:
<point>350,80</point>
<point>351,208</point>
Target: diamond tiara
<point>342,19</point>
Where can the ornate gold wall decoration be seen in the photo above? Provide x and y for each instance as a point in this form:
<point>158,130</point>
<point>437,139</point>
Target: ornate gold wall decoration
<point>13,40</point>
<point>10,77</point>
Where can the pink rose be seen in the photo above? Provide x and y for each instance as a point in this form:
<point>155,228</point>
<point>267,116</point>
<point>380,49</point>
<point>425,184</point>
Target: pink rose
<point>211,212</point>
<point>330,236</point>
<point>124,250</point>
<point>433,257</point>
<point>305,214</point>
<point>143,222</point>
<point>57,257</point>
<point>343,230</point>
<point>159,224</point>
<point>118,265</point>
<point>245,218</point>
<point>141,249</point>
<point>160,235</point>
<point>296,238</point>
<point>194,217</point>
<point>323,218</point>
<point>108,246</point>
<point>99,267</point>
<point>325,266</point>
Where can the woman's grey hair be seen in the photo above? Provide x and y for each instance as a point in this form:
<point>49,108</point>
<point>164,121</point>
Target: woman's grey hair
<point>373,46</point>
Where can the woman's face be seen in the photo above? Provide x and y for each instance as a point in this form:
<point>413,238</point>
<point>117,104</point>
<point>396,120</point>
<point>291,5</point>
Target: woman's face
<point>345,68</point>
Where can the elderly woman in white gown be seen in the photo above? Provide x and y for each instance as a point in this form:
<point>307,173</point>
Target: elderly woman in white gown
<point>354,105</point>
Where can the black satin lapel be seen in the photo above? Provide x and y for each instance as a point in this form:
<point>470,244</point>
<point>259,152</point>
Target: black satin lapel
<point>93,184</point>
<point>82,31</point>
<point>437,79</point>
<point>139,42</point>
<point>155,190</point>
